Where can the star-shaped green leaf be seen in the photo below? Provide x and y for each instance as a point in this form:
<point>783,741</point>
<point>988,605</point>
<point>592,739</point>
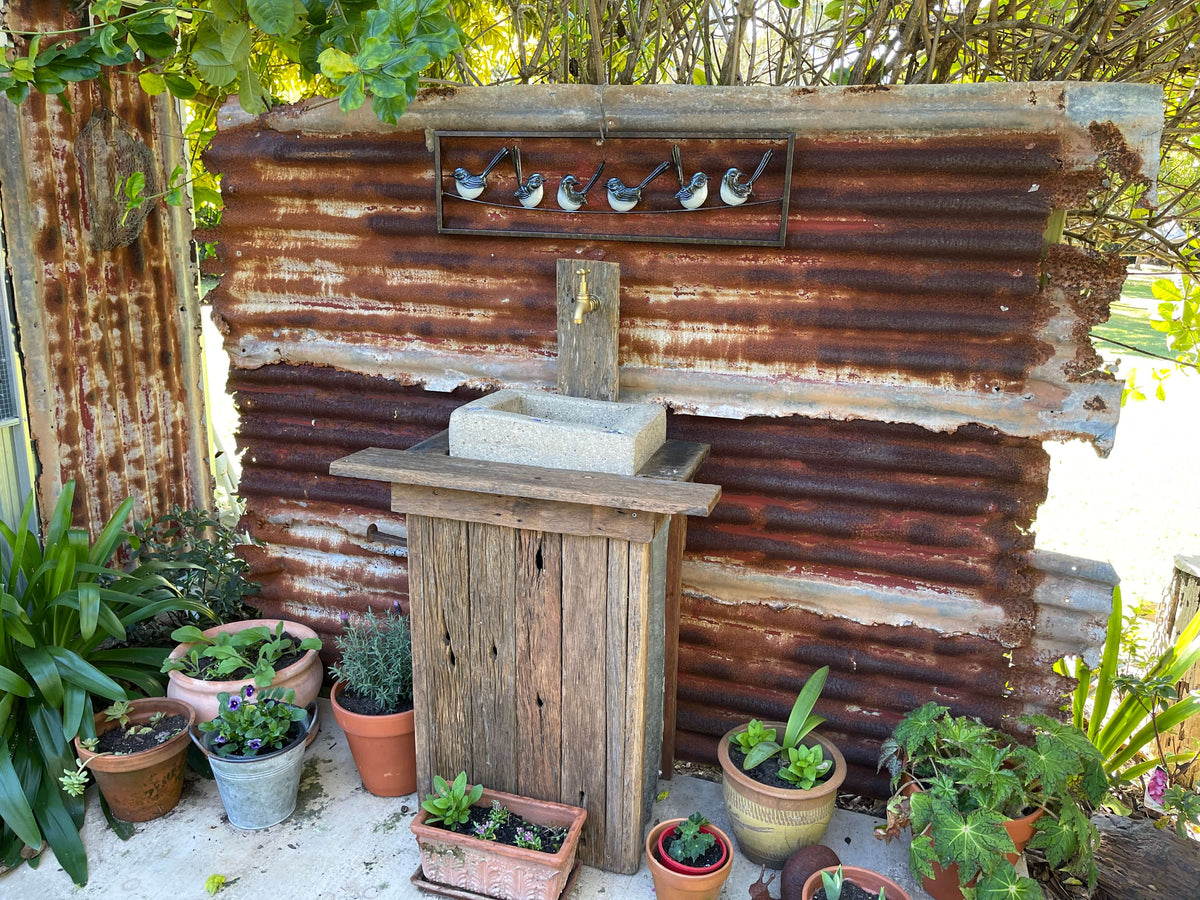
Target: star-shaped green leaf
<point>1006,884</point>
<point>976,841</point>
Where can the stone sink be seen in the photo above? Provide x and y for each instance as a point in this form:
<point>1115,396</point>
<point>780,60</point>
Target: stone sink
<point>534,428</point>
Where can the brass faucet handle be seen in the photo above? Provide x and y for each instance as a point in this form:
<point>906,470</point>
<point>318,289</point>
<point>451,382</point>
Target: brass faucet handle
<point>584,301</point>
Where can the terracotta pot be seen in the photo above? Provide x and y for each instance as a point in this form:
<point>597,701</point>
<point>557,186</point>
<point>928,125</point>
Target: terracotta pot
<point>302,676</point>
<point>145,785</point>
<point>683,868</point>
<point>864,878</point>
<point>499,870</point>
<point>944,884</point>
<point>670,885</point>
<point>384,748</point>
<point>772,823</point>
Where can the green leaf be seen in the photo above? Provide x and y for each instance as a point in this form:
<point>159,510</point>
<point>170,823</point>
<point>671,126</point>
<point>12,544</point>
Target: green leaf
<point>210,61</point>
<point>760,753</point>
<point>375,53</point>
<point>1166,289</point>
<point>800,722</point>
<point>235,44</point>
<point>335,64</point>
<point>41,668</point>
<point>276,17</point>
<point>353,95</point>
<point>1006,884</point>
<point>202,195</point>
<point>14,807</point>
<point>13,683</point>
<point>180,87</point>
<point>152,83</point>
<point>1108,665</point>
<point>154,39</point>
<point>61,832</point>
<point>976,841</point>
<point>76,670</point>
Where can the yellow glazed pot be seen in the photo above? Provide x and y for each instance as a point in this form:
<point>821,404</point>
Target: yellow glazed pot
<point>770,823</point>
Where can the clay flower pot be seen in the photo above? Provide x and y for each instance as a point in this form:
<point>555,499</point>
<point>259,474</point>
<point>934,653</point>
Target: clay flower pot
<point>384,748</point>
<point>672,885</point>
<point>145,785</point>
<point>866,879</point>
<point>772,823</point>
<point>683,868</point>
<point>498,870</point>
<point>303,676</point>
<point>944,883</point>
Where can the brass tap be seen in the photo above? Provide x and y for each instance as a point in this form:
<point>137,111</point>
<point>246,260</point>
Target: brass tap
<point>584,301</point>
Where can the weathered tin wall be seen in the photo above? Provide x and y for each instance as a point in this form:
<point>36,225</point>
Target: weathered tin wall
<point>875,392</point>
<point>109,335</point>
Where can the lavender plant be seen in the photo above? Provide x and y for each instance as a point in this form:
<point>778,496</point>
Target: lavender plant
<point>376,660</point>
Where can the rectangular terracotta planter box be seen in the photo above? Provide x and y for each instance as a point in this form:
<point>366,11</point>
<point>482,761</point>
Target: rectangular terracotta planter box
<point>499,870</point>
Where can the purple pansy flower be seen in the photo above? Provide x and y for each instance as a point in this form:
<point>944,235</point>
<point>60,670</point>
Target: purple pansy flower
<point>220,739</point>
<point>234,703</point>
<point>254,743</point>
<point>249,691</point>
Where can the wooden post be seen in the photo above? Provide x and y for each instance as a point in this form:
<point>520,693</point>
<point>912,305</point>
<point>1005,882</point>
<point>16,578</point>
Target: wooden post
<point>1183,603</point>
<point>587,352</point>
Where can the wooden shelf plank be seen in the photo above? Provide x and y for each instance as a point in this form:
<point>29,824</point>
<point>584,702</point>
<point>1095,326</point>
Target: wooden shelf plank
<point>511,480</point>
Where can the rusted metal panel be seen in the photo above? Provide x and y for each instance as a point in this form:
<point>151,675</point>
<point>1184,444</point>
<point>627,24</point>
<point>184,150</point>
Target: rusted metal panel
<point>109,337</point>
<point>875,391</point>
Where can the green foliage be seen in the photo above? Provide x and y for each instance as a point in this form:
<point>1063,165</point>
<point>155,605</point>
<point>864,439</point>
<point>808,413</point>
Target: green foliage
<point>973,778</point>
<point>214,883</point>
<point>248,725</point>
<point>450,804</point>
<point>1183,806</point>
<point>62,598</point>
<point>690,842</point>
<point>376,660</point>
<point>800,722</point>
<point>254,650</point>
<point>205,566</point>
<point>832,882</point>
<point>805,765</point>
<point>754,735</point>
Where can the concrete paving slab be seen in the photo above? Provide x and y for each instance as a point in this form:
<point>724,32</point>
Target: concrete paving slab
<point>343,843</point>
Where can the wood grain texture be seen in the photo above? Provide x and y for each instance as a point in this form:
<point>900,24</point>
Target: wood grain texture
<point>491,660</point>
<point>444,594</point>
<point>522,512</point>
<point>587,352</point>
<point>584,777</point>
<point>1137,861</point>
<point>675,461</point>
<point>537,739</point>
<point>671,606</point>
<point>618,829</point>
<point>509,479</point>
<point>423,652</point>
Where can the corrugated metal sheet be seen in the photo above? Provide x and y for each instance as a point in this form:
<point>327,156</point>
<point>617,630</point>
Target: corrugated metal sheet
<point>875,392</point>
<point>109,338</point>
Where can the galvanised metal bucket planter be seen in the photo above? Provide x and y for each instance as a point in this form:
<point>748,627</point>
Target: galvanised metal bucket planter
<point>259,791</point>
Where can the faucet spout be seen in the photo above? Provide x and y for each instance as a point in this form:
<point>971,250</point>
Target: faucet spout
<point>584,301</point>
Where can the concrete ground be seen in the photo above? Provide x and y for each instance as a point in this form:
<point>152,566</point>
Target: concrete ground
<point>343,843</point>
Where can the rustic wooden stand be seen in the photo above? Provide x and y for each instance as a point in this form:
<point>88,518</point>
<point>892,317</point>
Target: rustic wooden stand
<point>539,607</point>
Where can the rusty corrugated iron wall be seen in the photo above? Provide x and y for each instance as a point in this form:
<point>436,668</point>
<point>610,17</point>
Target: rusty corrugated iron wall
<point>109,334</point>
<point>875,392</point>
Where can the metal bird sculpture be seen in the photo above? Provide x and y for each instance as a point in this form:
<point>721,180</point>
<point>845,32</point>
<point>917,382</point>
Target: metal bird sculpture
<point>622,198</point>
<point>693,192</point>
<point>734,191</point>
<point>570,196</point>
<point>529,192</point>
<point>471,186</point>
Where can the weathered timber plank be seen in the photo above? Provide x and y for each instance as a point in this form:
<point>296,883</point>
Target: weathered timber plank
<point>634,727</point>
<point>522,512</point>
<point>655,633</point>
<point>537,738</point>
<point>509,479</point>
<point>616,828</point>
<point>423,652</point>
<point>587,352</point>
<point>444,594</point>
<point>671,606</point>
<point>1138,861</point>
<point>492,657</point>
<point>583,778</point>
<point>675,461</point>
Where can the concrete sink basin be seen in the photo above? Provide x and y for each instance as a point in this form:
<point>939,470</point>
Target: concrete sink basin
<point>534,428</point>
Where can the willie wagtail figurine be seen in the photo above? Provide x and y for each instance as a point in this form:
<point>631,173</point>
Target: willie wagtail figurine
<point>622,198</point>
<point>529,192</point>
<point>693,193</point>
<point>570,197</point>
<point>735,192</point>
<point>471,186</point>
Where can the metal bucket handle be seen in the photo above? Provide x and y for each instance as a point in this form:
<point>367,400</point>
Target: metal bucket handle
<point>314,718</point>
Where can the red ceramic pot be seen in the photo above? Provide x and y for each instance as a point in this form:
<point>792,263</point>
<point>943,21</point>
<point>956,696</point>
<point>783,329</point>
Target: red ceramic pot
<point>683,868</point>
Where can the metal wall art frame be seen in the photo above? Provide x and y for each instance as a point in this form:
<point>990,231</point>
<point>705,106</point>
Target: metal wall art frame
<point>761,221</point>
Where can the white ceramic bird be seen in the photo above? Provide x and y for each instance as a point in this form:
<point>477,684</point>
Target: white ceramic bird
<point>693,193</point>
<point>471,186</point>
<point>622,198</point>
<point>570,196</point>
<point>529,191</point>
<point>734,191</point>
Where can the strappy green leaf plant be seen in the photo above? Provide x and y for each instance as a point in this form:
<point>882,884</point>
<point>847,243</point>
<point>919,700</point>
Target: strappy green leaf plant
<point>800,722</point>
<point>61,599</point>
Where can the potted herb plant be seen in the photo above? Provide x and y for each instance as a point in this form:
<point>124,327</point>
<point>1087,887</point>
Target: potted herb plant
<point>137,757</point>
<point>225,658</point>
<point>975,797</point>
<point>496,844</point>
<point>255,746</point>
<point>689,859</point>
<point>780,780</point>
<point>851,883</point>
<point>373,702</point>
